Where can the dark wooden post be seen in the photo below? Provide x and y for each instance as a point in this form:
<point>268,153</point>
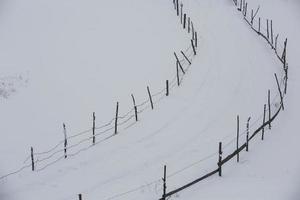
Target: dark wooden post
<point>32,159</point>
<point>177,73</point>
<point>116,118</point>
<point>194,50</point>
<point>280,93</point>
<point>65,140</point>
<point>177,7</point>
<point>220,159</point>
<point>286,78</point>
<point>193,31</point>
<point>186,58</point>
<point>179,63</point>
<point>184,21</point>
<point>284,51</point>
<point>167,87</point>
<point>246,8</point>
<point>135,108</point>
<point>181,6</point>
<point>268,34</point>
<point>189,24</point>
<point>252,17</point>
<point>150,97</point>
<point>80,196</point>
<point>94,127</point>
<point>272,37</point>
<point>164,183</point>
<point>237,138</point>
<point>196,39</point>
<point>264,121</point>
<point>259,25</point>
<point>269,107</point>
<point>276,41</point>
<point>247,134</point>
<point>241,4</point>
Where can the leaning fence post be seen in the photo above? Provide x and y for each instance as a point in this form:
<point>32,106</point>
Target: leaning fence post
<point>276,41</point>
<point>65,140</point>
<point>116,118</point>
<point>135,108</point>
<point>220,159</point>
<point>167,87</point>
<point>80,196</point>
<point>269,107</point>
<point>177,74</point>
<point>194,50</point>
<point>32,159</point>
<point>237,138</point>
<point>264,121</point>
<point>94,127</point>
<point>150,97</point>
<point>247,134</point>
<point>179,63</point>
<point>164,183</point>
<point>280,93</point>
<point>186,58</point>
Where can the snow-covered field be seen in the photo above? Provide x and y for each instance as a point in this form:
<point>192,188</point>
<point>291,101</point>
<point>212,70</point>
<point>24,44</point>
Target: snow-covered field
<point>61,61</point>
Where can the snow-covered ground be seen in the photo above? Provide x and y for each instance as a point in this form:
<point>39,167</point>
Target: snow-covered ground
<point>76,57</point>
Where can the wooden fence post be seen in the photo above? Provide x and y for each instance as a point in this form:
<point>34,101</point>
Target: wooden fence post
<point>189,24</point>
<point>268,34</point>
<point>280,93</point>
<point>247,134</point>
<point>32,159</point>
<point>150,97</point>
<point>259,25</point>
<point>167,87</point>
<point>94,127</point>
<point>272,37</point>
<point>116,119</point>
<point>276,41</point>
<point>237,138</point>
<point>264,121</point>
<point>193,31</point>
<point>252,17</point>
<point>179,63</point>
<point>186,58</point>
<point>269,108</point>
<point>240,8</point>
<point>80,196</point>
<point>164,183</point>
<point>194,50</point>
<point>196,39</point>
<point>184,20</point>
<point>246,8</point>
<point>177,7</point>
<point>177,73</point>
<point>65,140</point>
<point>135,108</point>
<point>181,6</point>
<point>220,159</point>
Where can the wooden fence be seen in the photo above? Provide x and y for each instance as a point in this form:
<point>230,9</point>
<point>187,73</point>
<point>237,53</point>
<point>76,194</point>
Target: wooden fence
<point>272,40</point>
<point>72,145</point>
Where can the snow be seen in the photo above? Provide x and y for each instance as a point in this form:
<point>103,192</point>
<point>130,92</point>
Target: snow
<point>82,57</point>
